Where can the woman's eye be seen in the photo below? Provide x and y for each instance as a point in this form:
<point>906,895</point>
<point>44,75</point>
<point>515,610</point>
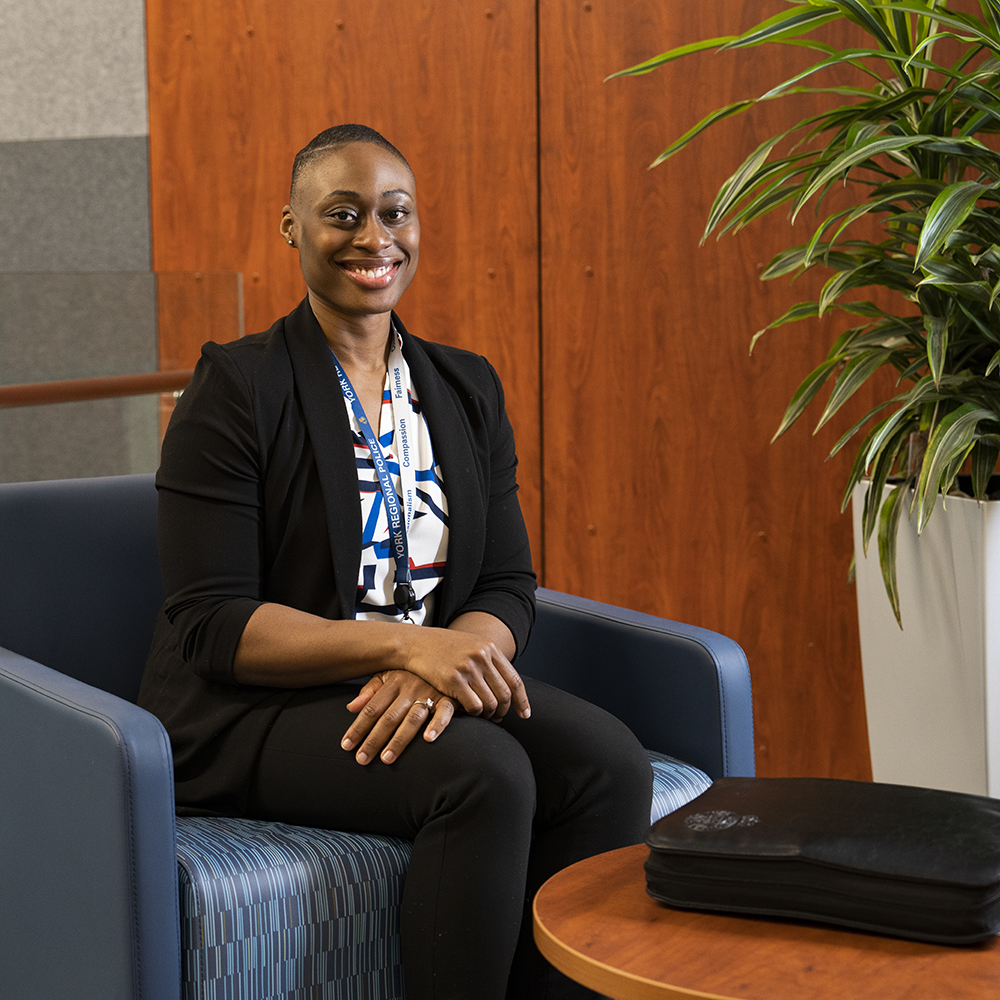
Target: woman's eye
<point>396,215</point>
<point>341,215</point>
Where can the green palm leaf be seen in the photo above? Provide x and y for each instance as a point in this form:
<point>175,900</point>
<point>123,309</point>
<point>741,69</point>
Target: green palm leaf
<point>860,154</point>
<point>805,394</point>
<point>785,25</point>
<point>948,448</point>
<point>984,460</point>
<point>937,345</point>
<point>678,53</point>
<point>857,372</point>
<point>950,209</point>
<point>716,116</point>
<point>888,533</point>
<point>965,24</point>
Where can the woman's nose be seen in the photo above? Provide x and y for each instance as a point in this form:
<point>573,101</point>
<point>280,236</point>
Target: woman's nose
<point>372,235</point>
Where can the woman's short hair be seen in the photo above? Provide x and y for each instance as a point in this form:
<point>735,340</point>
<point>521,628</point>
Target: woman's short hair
<point>334,138</point>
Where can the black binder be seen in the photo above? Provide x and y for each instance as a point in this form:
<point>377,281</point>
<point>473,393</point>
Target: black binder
<point>894,859</point>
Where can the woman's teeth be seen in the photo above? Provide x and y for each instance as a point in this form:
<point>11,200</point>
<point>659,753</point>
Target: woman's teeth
<point>378,272</point>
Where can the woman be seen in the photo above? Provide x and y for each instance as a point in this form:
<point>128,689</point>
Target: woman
<point>304,548</point>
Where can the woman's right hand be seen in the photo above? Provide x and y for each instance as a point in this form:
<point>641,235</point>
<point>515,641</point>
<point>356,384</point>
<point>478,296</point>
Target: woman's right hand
<point>469,668</point>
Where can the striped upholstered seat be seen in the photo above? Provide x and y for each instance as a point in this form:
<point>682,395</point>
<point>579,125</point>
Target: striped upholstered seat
<point>272,910</point>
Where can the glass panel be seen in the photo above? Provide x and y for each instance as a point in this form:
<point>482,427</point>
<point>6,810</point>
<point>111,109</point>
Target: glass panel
<point>80,325</point>
<point>99,437</point>
<point>62,325</point>
<point>84,325</point>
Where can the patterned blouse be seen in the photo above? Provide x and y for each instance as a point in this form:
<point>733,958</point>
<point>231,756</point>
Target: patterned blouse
<point>426,511</point>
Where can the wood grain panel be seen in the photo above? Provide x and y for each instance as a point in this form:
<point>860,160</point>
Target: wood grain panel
<point>237,88</point>
<point>662,492</point>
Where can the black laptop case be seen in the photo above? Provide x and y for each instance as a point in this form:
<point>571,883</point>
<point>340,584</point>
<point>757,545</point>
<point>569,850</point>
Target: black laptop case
<point>910,862</point>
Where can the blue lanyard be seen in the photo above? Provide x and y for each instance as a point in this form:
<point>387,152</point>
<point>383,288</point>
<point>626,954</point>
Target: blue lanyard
<point>403,593</point>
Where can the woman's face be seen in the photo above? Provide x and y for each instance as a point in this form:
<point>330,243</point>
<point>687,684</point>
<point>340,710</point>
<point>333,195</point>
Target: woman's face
<point>354,220</point>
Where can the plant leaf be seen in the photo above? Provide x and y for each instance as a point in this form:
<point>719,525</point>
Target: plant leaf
<point>805,394</point>
<point>937,345</point>
<point>665,57</point>
<point>803,310</point>
<point>865,15</point>
<point>842,282</point>
<point>962,22</point>
<point>859,154</point>
<point>949,445</point>
<point>950,209</point>
<point>888,532</point>
<point>854,430</point>
<point>857,472</point>
<point>857,372</point>
<point>784,25</point>
<point>880,472</point>
<point>740,182</point>
<point>991,8</point>
<point>716,116</point>
<point>911,401</point>
<point>984,460</point>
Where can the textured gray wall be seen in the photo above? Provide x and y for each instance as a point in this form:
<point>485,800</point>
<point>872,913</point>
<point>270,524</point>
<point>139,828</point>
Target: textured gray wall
<point>71,69</point>
<point>74,227</point>
<point>89,203</point>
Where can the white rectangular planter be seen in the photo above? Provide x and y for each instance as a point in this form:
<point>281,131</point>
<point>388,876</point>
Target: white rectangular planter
<point>932,690</point>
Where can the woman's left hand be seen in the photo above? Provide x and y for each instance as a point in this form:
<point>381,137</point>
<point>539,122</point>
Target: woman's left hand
<point>391,709</point>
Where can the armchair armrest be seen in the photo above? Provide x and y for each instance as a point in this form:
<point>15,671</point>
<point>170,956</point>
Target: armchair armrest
<point>87,838</point>
<point>683,690</point>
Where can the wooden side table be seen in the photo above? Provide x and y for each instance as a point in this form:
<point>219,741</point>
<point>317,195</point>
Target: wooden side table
<point>595,923</point>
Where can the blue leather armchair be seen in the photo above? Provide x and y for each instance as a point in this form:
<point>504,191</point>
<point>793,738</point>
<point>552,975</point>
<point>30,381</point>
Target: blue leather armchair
<point>104,894</point>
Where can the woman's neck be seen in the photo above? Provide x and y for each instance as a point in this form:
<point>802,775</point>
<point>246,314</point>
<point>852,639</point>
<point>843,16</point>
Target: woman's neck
<point>361,343</point>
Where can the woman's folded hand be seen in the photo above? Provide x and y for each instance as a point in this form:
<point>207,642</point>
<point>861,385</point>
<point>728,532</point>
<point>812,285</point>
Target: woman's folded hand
<point>469,668</point>
<point>392,707</point>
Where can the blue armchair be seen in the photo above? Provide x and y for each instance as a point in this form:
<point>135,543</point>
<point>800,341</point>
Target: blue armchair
<point>105,894</point>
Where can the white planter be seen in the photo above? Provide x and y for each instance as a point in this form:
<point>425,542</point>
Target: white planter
<point>932,690</point>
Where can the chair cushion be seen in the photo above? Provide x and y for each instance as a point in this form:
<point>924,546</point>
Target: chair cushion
<point>674,784</point>
<point>270,910</point>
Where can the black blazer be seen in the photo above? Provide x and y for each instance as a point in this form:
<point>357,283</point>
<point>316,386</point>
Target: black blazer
<point>259,503</point>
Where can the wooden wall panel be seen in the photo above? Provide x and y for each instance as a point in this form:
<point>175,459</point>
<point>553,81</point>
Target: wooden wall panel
<point>235,89</point>
<point>662,492</point>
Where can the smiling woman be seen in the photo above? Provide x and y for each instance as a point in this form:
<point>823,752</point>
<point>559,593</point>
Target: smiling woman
<point>298,530</point>
<point>353,217</point>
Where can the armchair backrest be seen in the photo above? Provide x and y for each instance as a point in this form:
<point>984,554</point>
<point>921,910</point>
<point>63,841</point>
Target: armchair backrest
<point>80,576</point>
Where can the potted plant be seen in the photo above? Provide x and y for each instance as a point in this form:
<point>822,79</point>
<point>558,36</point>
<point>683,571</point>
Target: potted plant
<point>906,139</point>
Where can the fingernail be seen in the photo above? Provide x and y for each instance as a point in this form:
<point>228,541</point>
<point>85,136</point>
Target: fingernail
<point>527,714</point>
<point>362,757</point>
<point>388,756</point>
<point>347,744</point>
<point>432,734</point>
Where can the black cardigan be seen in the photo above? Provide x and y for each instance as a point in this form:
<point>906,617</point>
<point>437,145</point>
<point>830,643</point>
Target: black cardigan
<point>259,503</point>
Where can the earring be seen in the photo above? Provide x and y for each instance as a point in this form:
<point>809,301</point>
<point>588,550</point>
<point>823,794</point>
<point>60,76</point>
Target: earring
<point>290,243</point>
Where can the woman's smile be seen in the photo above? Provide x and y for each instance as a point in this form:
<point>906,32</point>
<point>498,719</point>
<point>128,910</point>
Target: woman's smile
<point>371,273</point>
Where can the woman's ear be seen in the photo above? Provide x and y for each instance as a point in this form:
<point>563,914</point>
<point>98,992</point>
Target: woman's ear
<point>287,226</point>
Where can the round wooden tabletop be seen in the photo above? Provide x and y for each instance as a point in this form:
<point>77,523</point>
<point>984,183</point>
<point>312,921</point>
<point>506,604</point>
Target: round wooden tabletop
<point>594,922</point>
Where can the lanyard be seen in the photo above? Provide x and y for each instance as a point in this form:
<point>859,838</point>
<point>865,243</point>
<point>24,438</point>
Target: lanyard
<point>400,515</point>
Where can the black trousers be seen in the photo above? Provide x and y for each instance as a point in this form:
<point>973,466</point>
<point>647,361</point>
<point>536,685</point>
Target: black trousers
<point>492,810</point>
